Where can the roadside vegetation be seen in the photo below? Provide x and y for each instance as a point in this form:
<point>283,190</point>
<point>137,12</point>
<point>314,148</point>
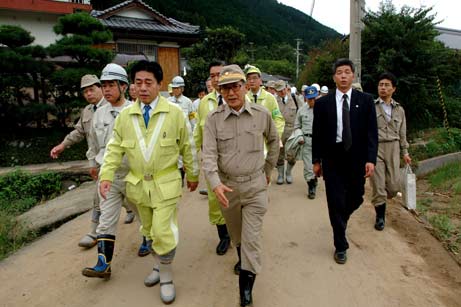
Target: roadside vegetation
<point>439,204</point>
<point>19,192</point>
<point>434,142</point>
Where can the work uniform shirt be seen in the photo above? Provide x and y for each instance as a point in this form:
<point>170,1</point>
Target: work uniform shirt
<point>206,105</point>
<point>233,143</point>
<point>305,119</point>
<point>303,123</point>
<point>267,100</point>
<point>152,152</point>
<point>101,132</point>
<point>186,106</point>
<point>393,128</point>
<point>288,108</point>
<point>83,126</point>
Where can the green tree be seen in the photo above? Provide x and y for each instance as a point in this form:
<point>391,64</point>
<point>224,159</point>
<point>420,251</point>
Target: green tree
<point>21,67</point>
<point>222,43</point>
<point>320,61</point>
<point>80,33</point>
<point>403,42</point>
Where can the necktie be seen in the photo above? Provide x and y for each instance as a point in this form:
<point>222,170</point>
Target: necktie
<point>146,116</point>
<point>94,108</point>
<point>219,100</point>
<point>255,97</point>
<point>114,113</point>
<point>347,136</point>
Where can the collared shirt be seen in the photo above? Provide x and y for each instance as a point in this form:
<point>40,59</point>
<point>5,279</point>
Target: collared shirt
<point>394,129</point>
<point>339,112</point>
<point>101,131</point>
<point>387,108</point>
<point>83,126</point>
<point>233,145</point>
<point>305,119</point>
<point>152,105</point>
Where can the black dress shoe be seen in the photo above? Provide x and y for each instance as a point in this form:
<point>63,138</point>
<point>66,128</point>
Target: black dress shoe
<point>341,257</point>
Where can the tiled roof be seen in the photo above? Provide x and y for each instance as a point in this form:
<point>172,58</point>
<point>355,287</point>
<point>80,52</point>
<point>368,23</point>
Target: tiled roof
<point>169,25</point>
<point>119,22</point>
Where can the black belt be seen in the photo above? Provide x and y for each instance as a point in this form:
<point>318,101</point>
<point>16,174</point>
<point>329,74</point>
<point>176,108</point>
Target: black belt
<point>308,135</point>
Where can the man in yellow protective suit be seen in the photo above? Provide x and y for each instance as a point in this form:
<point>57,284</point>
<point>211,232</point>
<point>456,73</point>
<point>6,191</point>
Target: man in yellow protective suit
<point>152,133</point>
<point>260,96</point>
<point>209,103</point>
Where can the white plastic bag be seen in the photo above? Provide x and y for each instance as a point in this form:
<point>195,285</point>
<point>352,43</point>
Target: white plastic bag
<point>408,187</point>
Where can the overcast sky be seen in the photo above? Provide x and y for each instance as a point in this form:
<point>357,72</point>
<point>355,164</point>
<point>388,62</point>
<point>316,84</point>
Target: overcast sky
<point>335,13</point>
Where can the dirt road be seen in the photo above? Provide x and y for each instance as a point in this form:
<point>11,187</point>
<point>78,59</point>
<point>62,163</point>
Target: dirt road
<point>401,266</point>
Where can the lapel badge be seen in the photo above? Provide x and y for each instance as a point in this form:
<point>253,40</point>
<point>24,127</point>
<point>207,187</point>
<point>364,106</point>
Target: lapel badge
<point>356,105</point>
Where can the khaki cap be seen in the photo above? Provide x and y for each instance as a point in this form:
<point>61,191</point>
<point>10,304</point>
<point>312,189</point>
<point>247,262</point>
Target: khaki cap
<point>270,83</point>
<point>88,80</point>
<point>230,74</point>
<point>279,85</point>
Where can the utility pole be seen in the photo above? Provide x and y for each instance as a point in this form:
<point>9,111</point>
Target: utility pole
<point>252,52</point>
<point>298,42</point>
<point>357,8</point>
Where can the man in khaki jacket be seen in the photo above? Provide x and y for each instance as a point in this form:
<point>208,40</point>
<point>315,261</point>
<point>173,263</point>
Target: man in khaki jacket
<point>288,108</point>
<point>392,141</point>
<point>237,171</point>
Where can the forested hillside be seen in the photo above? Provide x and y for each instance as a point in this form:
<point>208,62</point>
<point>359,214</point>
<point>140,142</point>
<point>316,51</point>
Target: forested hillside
<point>264,22</point>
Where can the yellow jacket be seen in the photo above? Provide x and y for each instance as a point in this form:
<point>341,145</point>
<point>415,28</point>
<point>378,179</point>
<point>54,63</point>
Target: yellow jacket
<point>152,152</point>
<point>206,105</point>
<point>267,100</point>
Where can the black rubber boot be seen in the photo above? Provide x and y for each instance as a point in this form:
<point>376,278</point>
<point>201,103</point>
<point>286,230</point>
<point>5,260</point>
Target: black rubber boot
<point>312,188</point>
<point>105,253</point>
<point>246,282</point>
<point>238,265</point>
<point>224,240</point>
<point>380,217</point>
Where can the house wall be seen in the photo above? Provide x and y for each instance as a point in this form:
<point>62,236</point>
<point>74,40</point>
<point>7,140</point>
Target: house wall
<point>40,25</point>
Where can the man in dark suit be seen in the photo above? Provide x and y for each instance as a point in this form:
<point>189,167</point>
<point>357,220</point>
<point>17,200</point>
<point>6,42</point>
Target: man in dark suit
<point>344,149</point>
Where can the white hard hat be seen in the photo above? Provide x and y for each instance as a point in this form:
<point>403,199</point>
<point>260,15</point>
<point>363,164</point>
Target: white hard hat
<point>304,87</point>
<point>293,90</point>
<point>324,89</point>
<point>114,72</point>
<point>177,82</point>
<point>316,86</point>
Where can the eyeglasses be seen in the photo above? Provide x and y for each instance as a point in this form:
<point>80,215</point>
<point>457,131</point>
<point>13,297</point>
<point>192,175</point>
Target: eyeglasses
<point>235,88</point>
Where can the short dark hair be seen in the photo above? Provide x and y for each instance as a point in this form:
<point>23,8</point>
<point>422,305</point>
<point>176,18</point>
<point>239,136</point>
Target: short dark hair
<point>343,62</point>
<point>152,67</point>
<point>216,63</point>
<point>389,76</point>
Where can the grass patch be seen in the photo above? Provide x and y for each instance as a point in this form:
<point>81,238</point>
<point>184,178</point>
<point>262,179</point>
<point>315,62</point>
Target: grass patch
<point>439,203</point>
<point>18,193</point>
<point>434,142</point>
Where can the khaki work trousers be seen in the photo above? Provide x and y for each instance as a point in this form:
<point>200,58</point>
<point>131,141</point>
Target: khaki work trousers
<point>111,207</point>
<point>286,155</point>
<point>244,218</point>
<point>307,158</point>
<point>385,180</point>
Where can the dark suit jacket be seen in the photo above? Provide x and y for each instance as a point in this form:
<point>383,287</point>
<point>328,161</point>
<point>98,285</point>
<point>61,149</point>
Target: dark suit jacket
<point>363,128</point>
